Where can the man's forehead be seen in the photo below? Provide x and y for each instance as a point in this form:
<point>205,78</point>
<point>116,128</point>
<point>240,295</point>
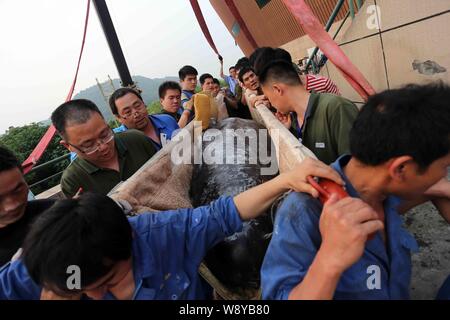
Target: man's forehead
<point>127,100</point>
<point>248,74</point>
<point>10,179</point>
<point>87,130</point>
<point>173,92</point>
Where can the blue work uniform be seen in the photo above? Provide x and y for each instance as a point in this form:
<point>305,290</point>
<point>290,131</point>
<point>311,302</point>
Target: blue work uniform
<point>164,125</point>
<point>167,250</point>
<point>382,272</point>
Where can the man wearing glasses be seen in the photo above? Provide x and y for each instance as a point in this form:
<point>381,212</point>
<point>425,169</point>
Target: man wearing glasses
<point>130,110</point>
<point>103,158</point>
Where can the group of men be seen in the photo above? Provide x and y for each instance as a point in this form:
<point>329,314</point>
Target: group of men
<point>390,156</point>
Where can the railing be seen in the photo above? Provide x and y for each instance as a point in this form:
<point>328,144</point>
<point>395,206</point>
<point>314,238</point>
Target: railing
<point>45,165</point>
<point>312,60</point>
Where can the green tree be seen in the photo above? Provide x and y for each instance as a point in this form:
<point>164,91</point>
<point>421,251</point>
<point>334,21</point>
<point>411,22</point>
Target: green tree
<point>113,123</point>
<point>23,140</point>
<point>154,107</point>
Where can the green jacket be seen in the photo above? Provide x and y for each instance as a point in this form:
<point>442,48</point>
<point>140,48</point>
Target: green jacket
<point>327,124</point>
<point>134,149</point>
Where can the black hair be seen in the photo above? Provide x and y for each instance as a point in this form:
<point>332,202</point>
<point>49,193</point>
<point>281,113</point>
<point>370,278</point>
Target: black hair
<point>241,63</point>
<point>413,120</point>
<point>76,111</point>
<point>90,232</point>
<point>187,70</point>
<point>216,81</point>
<point>8,160</point>
<point>232,67</point>
<point>261,57</point>
<point>119,93</point>
<point>205,76</point>
<point>243,71</point>
<point>279,71</point>
<point>168,85</point>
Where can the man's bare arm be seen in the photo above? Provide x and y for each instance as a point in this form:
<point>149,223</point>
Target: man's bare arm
<point>256,200</point>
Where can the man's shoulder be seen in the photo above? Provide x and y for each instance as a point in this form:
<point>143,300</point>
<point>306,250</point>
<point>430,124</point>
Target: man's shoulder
<point>165,118</point>
<point>39,205</point>
<point>299,206</point>
<point>119,129</point>
<point>333,101</point>
<point>186,95</point>
<point>16,283</point>
<point>73,176</point>
<point>73,168</point>
<point>131,135</point>
<point>330,104</point>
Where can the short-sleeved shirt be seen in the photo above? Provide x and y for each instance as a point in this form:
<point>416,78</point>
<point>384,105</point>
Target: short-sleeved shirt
<point>319,84</point>
<point>133,149</point>
<point>12,235</point>
<point>232,82</point>
<point>382,272</point>
<point>165,127</point>
<point>167,250</point>
<point>185,97</point>
<point>175,115</point>
<point>326,126</point>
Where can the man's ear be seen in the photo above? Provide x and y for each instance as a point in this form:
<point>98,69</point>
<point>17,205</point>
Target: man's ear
<point>278,89</point>
<point>66,145</point>
<point>118,118</point>
<point>399,166</point>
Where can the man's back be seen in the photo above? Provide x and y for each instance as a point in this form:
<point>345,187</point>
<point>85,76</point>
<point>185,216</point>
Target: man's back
<point>327,125</point>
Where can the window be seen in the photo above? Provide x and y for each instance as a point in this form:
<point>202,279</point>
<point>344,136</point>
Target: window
<point>235,29</point>
<point>261,3</point>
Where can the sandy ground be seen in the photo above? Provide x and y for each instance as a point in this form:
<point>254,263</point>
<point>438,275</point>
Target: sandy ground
<point>431,265</point>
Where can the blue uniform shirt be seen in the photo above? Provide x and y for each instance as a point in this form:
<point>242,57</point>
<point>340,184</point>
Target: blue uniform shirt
<point>168,248</point>
<point>165,127</point>
<point>232,82</point>
<point>296,240</point>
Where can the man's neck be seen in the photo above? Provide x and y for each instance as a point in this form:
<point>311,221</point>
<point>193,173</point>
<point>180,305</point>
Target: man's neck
<point>150,131</point>
<point>112,164</point>
<point>298,101</point>
<point>126,288</point>
<point>368,182</point>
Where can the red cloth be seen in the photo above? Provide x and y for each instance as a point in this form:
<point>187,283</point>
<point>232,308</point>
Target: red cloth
<point>316,31</point>
<point>201,21</point>
<point>39,150</point>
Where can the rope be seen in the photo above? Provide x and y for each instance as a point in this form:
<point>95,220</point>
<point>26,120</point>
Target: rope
<point>39,150</point>
<point>308,21</point>
<point>201,21</point>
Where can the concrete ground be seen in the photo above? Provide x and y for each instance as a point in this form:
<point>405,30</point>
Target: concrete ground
<point>431,265</point>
